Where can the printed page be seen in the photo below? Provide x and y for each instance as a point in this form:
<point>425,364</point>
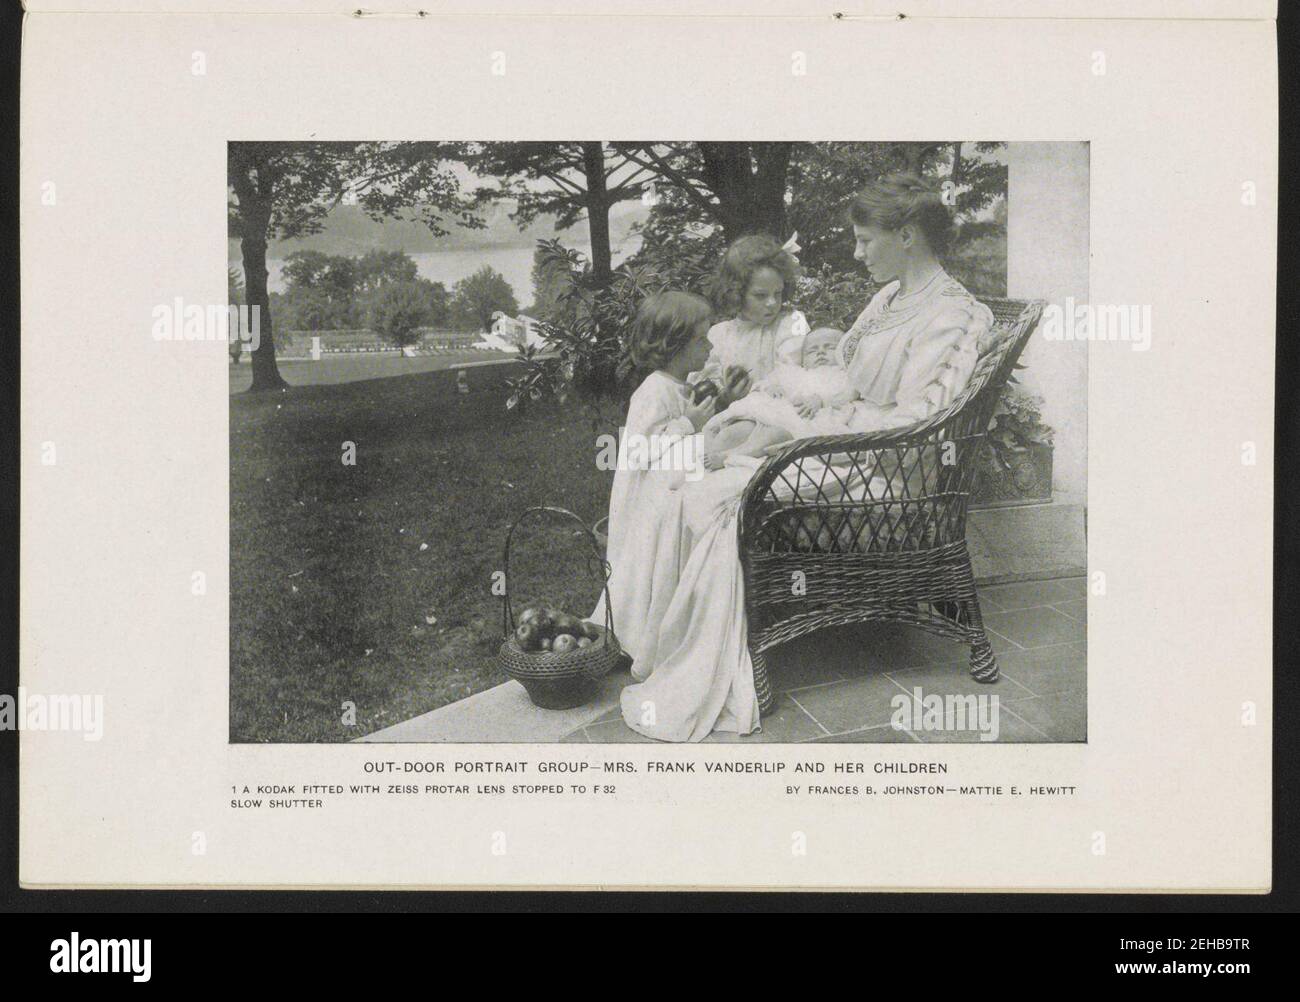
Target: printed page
<point>653,447</point>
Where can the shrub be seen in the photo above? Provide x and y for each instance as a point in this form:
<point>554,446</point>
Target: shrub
<point>588,326</point>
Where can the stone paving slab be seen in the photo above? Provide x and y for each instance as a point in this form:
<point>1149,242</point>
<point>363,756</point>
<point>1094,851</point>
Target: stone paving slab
<point>503,714</point>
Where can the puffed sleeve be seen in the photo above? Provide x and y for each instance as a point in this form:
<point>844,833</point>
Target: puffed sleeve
<point>940,360</point>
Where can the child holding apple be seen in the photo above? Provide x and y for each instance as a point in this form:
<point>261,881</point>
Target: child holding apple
<point>670,336</point>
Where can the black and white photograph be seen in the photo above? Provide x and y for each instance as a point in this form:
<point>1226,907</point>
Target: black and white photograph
<point>670,441</point>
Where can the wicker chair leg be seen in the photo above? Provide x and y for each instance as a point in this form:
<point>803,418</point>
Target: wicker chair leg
<point>762,684</point>
<point>983,665</point>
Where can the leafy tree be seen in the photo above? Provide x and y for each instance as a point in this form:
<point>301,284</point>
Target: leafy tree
<point>439,303</point>
<point>320,290</point>
<point>377,267</point>
<point>304,269</point>
<point>398,310</point>
<point>312,309</point>
<point>581,179</point>
<point>476,297</point>
<point>285,189</point>
<point>550,280</point>
<point>818,182</point>
<point>740,187</point>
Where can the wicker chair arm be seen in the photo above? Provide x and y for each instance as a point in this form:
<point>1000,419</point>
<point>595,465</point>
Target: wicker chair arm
<point>971,407</point>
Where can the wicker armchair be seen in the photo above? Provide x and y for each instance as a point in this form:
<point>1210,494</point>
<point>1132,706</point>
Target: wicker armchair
<point>854,528</point>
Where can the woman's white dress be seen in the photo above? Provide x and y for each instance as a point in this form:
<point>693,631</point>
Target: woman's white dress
<point>916,354</point>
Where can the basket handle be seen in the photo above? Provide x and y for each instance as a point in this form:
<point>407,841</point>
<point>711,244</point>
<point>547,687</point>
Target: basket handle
<point>507,614</point>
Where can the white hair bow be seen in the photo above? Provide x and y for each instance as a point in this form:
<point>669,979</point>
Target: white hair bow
<point>791,246</point>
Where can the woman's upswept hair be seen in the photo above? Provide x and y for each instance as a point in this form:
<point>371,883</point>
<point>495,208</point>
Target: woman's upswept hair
<point>904,198</point>
<point>664,325</point>
<point>743,258</point>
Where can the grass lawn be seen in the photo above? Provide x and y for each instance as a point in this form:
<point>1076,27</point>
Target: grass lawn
<point>330,592</point>
<point>351,367</point>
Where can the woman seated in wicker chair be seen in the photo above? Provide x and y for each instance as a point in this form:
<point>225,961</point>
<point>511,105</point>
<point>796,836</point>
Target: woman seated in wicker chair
<point>909,354</point>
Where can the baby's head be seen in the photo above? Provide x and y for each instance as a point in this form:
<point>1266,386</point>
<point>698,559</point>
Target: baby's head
<point>819,348</point>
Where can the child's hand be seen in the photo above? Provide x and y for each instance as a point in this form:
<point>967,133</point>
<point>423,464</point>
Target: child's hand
<point>700,413</point>
<point>714,461</point>
<point>774,390</point>
<point>807,406</point>
<point>736,384</point>
<point>704,388</point>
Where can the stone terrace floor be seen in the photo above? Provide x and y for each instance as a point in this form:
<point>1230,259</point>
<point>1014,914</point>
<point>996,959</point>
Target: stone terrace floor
<point>839,685</point>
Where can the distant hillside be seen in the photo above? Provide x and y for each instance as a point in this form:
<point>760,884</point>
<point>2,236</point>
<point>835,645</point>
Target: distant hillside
<point>349,231</point>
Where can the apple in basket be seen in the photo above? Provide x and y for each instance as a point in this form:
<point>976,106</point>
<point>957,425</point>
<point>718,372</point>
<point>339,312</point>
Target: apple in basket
<point>564,643</point>
<point>585,641</point>
<point>526,636</point>
<point>538,616</point>
<point>564,623</point>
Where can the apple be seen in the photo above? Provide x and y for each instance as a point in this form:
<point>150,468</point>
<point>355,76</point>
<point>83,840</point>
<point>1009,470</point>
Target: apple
<point>585,641</point>
<point>564,643</point>
<point>538,616</point>
<point>564,623</point>
<point>526,636</point>
<point>546,643</point>
<point>705,388</point>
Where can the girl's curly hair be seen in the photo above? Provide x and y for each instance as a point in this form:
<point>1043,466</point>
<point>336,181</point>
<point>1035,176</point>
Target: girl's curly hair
<point>664,325</point>
<point>743,258</point>
<point>904,198</point>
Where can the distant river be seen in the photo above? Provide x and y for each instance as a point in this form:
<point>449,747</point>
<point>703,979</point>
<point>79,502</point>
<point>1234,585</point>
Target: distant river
<point>450,266</point>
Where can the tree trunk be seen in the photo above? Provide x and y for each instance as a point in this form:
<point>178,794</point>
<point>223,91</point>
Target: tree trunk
<point>266,374</point>
<point>254,222</point>
<point>749,200</point>
<point>602,265</point>
<point>773,160</point>
<point>914,155</point>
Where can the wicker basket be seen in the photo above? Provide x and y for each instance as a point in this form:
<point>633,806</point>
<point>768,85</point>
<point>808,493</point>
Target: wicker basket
<point>558,681</point>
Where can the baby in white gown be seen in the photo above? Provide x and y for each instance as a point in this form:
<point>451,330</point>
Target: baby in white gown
<point>808,393</point>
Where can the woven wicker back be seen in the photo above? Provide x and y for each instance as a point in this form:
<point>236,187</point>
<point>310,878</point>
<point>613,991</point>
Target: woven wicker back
<point>900,491</point>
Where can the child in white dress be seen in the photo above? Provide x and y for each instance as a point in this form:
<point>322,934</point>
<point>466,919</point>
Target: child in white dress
<point>807,393</point>
<point>754,284</point>
<point>669,336</point>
